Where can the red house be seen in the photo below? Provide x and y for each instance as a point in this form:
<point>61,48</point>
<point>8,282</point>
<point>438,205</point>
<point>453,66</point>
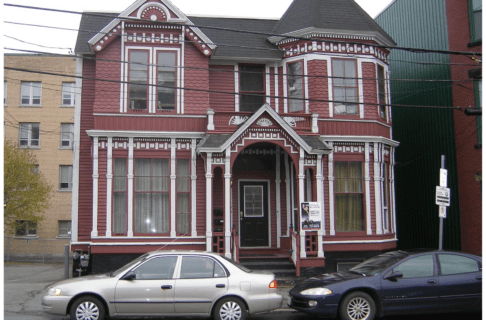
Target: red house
<point>213,133</point>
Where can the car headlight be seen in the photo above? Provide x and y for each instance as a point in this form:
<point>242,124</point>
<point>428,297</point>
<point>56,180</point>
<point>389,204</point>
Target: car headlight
<point>54,292</point>
<point>317,292</point>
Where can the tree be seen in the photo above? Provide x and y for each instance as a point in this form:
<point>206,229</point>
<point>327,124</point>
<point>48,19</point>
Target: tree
<point>26,192</point>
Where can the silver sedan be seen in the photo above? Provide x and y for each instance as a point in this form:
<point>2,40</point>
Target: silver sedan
<point>167,283</point>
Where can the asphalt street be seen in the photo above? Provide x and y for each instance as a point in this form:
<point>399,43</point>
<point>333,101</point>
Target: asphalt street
<point>26,284</point>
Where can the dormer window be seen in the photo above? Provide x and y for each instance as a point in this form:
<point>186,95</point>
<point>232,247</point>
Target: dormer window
<point>295,86</point>
<point>166,80</point>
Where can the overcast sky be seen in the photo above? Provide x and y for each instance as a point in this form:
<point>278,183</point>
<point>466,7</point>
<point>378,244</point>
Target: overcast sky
<point>51,40</point>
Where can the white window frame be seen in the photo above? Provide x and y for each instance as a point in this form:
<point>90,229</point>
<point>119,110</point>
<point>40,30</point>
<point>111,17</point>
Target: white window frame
<point>67,136</point>
<point>30,85</point>
<point>63,179</point>
<point>61,228</point>
<point>68,88</point>
<point>27,126</point>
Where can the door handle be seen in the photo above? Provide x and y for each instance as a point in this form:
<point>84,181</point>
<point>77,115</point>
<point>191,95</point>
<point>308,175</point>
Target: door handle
<point>220,286</point>
<point>431,282</point>
<point>480,278</point>
<point>166,287</point>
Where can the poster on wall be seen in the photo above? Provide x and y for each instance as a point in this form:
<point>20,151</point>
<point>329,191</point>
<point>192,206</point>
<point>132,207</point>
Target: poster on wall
<point>310,215</point>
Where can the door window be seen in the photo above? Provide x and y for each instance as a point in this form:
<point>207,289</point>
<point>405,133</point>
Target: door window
<point>200,267</point>
<point>157,269</point>
<point>422,266</point>
<point>253,201</point>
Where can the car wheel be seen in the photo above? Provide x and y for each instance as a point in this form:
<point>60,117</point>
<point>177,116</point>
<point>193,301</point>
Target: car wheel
<point>357,306</point>
<point>88,308</point>
<point>230,309</point>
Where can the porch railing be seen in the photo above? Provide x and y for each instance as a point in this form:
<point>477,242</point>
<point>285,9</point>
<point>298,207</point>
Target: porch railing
<point>295,251</point>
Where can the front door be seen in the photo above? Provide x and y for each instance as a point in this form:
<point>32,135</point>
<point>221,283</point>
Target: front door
<point>253,214</point>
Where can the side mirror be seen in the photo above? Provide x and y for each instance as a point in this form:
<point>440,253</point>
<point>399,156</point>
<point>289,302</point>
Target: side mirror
<point>393,276</point>
<point>129,276</point>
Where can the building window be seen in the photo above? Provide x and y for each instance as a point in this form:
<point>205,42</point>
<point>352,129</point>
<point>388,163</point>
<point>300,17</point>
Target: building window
<point>183,196</point>
<point>348,178</point>
<point>385,197</point>
<point>30,93</point>
<point>64,228</point>
<point>475,19</point>
<point>295,86</point>
<point>345,86</point>
<point>29,134</point>
<point>138,80</point>
<point>166,80</point>
<point>381,91</point>
<point>25,228</point>
<point>67,135</point>
<point>151,196</point>
<point>68,96</point>
<point>252,87</point>
<point>65,178</point>
<point>120,195</point>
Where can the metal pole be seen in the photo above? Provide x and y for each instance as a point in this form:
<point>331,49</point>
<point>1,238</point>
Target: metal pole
<point>8,249</point>
<point>441,220</point>
<point>66,261</point>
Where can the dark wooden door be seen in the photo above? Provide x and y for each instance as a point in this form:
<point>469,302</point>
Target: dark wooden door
<point>253,214</point>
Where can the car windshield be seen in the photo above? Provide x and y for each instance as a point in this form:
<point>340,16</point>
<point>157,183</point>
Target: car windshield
<point>236,264</point>
<point>377,264</point>
<point>127,266</point>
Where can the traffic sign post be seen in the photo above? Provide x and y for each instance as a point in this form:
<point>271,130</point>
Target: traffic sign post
<point>443,199</point>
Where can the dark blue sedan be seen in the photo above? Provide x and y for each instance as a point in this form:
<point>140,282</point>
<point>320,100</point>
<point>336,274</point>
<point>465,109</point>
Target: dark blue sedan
<point>394,283</point>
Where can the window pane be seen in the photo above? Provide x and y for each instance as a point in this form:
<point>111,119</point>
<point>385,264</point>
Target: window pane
<point>197,268</point>
<point>36,92</point>
<point>66,177</point>
<point>156,269</point>
<point>422,266</point>
<point>138,78</point>
<point>454,264</point>
<point>349,213</point>
<point>295,86</point>
<point>251,78</point>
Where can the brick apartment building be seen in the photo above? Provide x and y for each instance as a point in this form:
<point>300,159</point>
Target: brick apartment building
<point>39,116</point>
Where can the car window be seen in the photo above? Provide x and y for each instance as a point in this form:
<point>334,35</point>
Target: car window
<point>421,266</point>
<point>455,264</point>
<point>200,267</point>
<point>156,269</point>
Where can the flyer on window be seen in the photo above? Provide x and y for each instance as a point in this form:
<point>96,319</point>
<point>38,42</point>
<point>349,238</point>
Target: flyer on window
<point>310,215</point>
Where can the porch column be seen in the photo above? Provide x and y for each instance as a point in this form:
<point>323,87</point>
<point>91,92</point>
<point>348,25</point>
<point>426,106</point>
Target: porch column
<point>288,193</point>
<point>173,177</point>
<point>367,189</point>
<point>332,228</point>
<point>130,188</point>
<point>378,176</point>
<point>392,192</point>
<point>277,196</point>
<point>94,231</point>
<point>209,197</point>
<point>227,204</point>
<point>109,181</point>
<point>320,198</point>
<point>193,188</point>
<point>301,177</point>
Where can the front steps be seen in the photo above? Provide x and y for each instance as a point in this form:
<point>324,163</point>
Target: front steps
<point>280,265</point>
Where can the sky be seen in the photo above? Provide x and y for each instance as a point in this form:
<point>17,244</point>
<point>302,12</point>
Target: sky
<point>36,38</point>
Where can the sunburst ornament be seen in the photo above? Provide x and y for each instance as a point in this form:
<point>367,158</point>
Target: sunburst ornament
<point>153,13</point>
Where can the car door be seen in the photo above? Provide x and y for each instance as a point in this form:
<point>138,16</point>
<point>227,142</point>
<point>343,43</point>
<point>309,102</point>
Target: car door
<point>150,290</point>
<point>417,291</point>
<point>460,281</point>
<point>201,281</point>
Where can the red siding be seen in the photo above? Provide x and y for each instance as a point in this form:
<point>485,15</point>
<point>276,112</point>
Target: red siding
<point>370,91</point>
<point>108,93</point>
<point>134,123</point>
<point>196,77</point>
<point>318,87</point>
<point>222,79</point>
<point>356,128</point>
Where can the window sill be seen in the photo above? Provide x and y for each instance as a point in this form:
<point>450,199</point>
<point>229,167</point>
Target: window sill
<point>29,147</point>
<point>64,190</point>
<point>66,106</point>
<point>26,237</point>
<point>63,237</point>
<point>475,43</point>
<point>30,106</point>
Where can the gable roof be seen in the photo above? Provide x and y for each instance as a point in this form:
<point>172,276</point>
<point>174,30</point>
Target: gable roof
<point>343,17</point>
<point>220,142</point>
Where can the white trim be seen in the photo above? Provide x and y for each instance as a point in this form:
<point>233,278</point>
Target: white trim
<point>109,185</point>
<point>361,241</point>
<point>367,193</point>
<point>227,204</point>
<point>145,134</point>
<point>362,139</point>
<point>378,176</point>
<point>237,86</point>
<point>130,188</point>
<point>209,204</point>
<point>278,183</point>
<point>301,176</point>
<point>268,98</point>
<point>94,231</point>
<point>276,89</point>
<point>173,177</point>
<point>193,188</point>
<point>330,164</point>
<point>102,244</point>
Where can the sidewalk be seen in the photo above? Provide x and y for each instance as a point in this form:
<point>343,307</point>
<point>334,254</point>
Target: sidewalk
<point>25,285</point>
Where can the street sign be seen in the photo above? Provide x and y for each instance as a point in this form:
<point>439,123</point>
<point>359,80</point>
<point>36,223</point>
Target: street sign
<point>443,178</point>
<point>442,212</point>
<point>443,196</point>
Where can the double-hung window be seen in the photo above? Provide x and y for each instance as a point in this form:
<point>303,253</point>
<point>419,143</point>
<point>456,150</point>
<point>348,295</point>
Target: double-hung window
<point>30,93</point>
<point>64,228</point>
<point>65,178</point>
<point>381,91</point>
<point>138,79</point>
<point>29,134</point>
<point>295,86</point>
<point>67,135</point>
<point>151,196</point>
<point>252,87</point>
<point>166,80</point>
<point>25,228</point>
<point>120,196</point>
<point>345,86</point>
<point>475,19</point>
<point>348,189</point>
<point>183,196</point>
<point>68,94</point>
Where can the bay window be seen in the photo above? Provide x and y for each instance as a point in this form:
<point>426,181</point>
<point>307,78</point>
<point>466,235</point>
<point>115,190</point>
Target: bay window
<point>138,80</point>
<point>295,86</point>
<point>183,196</point>
<point>119,195</point>
<point>166,80</point>
<point>151,196</point>
<point>475,19</point>
<point>381,91</point>
<point>345,86</point>
<point>348,189</point>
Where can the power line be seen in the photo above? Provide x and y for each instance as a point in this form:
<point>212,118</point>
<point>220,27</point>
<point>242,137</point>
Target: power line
<point>229,93</point>
<point>245,31</point>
